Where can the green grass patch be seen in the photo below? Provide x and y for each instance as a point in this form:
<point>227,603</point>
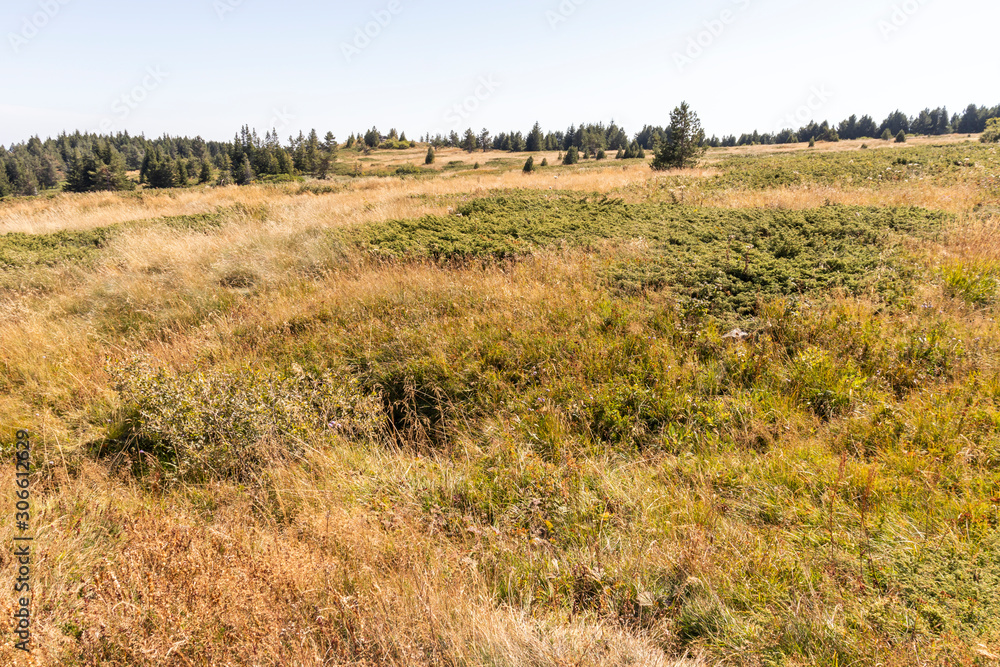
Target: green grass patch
<point>719,259</point>
<point>18,250</point>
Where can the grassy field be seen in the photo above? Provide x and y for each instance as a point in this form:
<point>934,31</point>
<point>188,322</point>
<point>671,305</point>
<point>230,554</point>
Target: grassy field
<point>747,414</point>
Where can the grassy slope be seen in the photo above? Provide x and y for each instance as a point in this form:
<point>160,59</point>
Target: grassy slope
<point>516,435</point>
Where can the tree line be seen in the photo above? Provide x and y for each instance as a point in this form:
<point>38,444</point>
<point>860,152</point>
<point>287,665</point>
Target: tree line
<point>84,162</point>
<point>928,122</point>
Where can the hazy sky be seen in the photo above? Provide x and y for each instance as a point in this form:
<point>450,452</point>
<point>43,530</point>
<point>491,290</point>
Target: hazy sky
<point>208,66</point>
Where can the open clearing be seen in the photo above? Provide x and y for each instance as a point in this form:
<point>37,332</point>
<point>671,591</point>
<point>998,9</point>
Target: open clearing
<point>747,414</point>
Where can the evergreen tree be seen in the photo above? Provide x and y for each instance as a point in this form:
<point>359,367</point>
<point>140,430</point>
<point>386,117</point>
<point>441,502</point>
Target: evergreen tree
<point>206,172</point>
<point>470,141</point>
<point>887,135</point>
<point>535,139</point>
<point>529,166</point>
<point>601,155</point>
<point>545,162</point>
<point>330,144</point>
<point>430,155</point>
<point>685,140</point>
<point>812,142</point>
<point>901,137</point>
<point>243,173</point>
<point>5,186</point>
<point>572,156</point>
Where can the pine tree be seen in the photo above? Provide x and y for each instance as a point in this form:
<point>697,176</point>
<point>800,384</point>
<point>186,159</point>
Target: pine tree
<point>887,135</point>
<point>685,144</point>
<point>330,144</point>
<point>206,172</point>
<point>529,166</point>
<point>545,162</point>
<point>323,169</point>
<point>812,142</point>
<point>620,155</point>
<point>535,139</point>
<point>572,156</point>
<point>470,141</point>
<point>243,174</point>
<point>601,155</point>
<point>430,155</point>
<point>901,137</point>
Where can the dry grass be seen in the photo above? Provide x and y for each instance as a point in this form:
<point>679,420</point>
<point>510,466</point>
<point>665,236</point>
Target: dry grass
<point>363,553</point>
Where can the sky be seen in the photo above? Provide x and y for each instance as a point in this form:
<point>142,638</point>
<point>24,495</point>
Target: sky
<point>207,67</point>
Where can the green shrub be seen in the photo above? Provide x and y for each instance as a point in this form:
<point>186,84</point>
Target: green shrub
<point>229,424</point>
<point>992,133</point>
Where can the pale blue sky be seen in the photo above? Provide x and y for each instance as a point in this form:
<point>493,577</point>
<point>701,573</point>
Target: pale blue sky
<point>208,66</point>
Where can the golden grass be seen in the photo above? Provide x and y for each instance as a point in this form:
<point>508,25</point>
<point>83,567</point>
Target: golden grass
<point>307,568</point>
<point>840,146</point>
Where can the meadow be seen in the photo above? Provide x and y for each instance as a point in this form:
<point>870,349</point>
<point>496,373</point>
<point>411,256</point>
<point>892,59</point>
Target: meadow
<point>745,414</point>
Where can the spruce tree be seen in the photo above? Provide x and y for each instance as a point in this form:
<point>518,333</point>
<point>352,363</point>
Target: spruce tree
<point>430,155</point>
<point>470,141</point>
<point>243,174</point>
<point>206,172</point>
<point>887,135</point>
<point>529,166</point>
<point>812,142</point>
<point>323,170</point>
<point>535,139</point>
<point>685,144</point>
<point>601,155</point>
<point>901,137</point>
<point>572,156</point>
<point>545,162</point>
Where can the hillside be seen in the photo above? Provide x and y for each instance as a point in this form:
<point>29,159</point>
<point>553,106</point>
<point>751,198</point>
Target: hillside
<point>746,414</point>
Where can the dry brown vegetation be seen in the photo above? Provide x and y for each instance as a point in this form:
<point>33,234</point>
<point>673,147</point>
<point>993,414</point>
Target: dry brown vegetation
<point>498,530</point>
